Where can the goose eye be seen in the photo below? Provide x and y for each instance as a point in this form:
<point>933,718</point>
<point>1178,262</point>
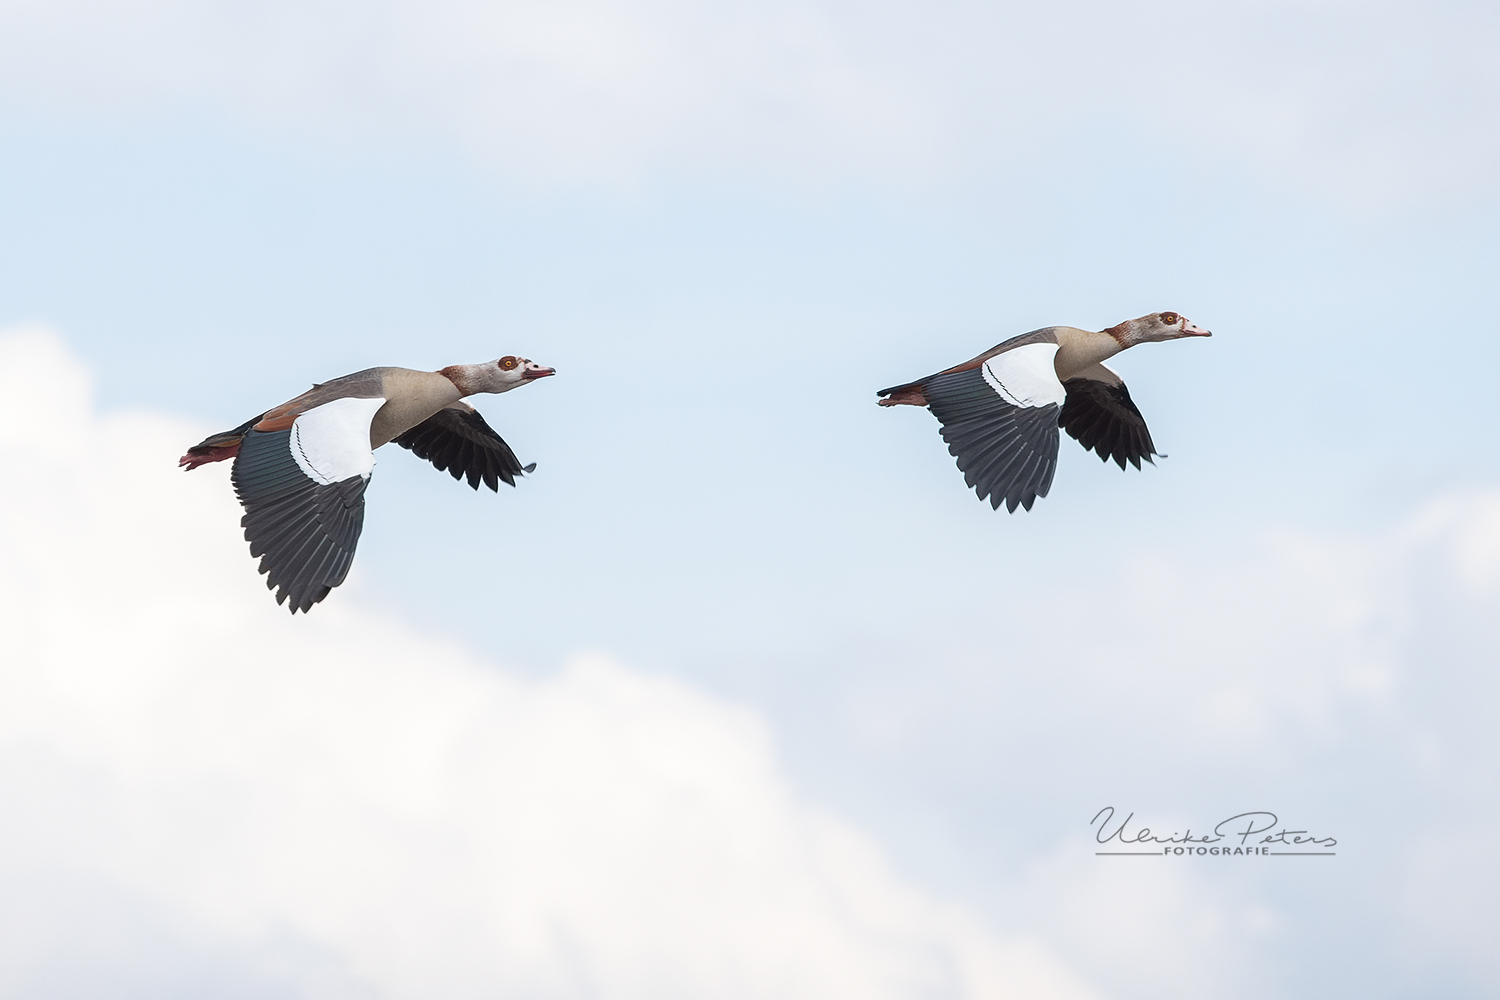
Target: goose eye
<point>1170,318</point>
<point>507,362</point>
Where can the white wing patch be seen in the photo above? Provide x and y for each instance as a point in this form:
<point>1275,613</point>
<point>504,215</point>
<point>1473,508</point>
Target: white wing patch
<point>1024,376</point>
<point>331,443</point>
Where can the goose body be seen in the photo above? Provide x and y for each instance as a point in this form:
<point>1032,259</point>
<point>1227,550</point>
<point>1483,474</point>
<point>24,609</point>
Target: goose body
<point>301,469</point>
<point>1000,412</point>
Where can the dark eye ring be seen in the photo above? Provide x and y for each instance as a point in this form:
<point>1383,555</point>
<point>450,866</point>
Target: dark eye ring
<point>1170,318</point>
<point>507,362</point>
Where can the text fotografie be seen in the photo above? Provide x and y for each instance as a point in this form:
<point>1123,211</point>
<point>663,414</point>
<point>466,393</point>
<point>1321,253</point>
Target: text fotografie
<point>1229,838</point>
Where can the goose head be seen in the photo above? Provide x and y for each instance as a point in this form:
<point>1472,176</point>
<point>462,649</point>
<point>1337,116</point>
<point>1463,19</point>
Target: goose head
<point>1155,327</point>
<point>500,375</point>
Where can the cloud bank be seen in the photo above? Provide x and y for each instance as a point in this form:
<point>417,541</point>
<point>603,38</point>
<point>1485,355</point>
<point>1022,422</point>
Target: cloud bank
<point>1342,679</point>
<point>205,796</point>
<point>1361,103</point>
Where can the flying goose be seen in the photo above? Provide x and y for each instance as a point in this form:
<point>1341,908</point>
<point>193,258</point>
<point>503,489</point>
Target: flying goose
<point>301,469</point>
<point>1000,412</point>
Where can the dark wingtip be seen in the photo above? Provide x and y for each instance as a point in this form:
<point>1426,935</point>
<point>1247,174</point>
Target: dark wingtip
<point>528,469</point>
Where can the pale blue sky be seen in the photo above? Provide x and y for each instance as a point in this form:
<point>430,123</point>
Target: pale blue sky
<point>723,281</point>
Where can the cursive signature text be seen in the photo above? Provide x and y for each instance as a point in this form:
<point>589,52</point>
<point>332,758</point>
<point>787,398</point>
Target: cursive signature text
<point>1239,828</point>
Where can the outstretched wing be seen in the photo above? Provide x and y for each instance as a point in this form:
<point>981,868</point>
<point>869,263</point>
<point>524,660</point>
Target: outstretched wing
<point>303,489</point>
<point>457,440</point>
<point>1100,416</point>
<point>1000,421</point>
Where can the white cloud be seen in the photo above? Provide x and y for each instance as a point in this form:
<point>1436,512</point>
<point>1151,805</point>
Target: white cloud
<point>1360,103</point>
<point>1160,931</point>
<point>207,796</point>
<point>1345,682</point>
<point>1342,679</point>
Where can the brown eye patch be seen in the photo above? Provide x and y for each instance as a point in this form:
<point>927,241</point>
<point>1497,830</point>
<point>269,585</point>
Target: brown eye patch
<point>1170,318</point>
<point>508,362</point>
